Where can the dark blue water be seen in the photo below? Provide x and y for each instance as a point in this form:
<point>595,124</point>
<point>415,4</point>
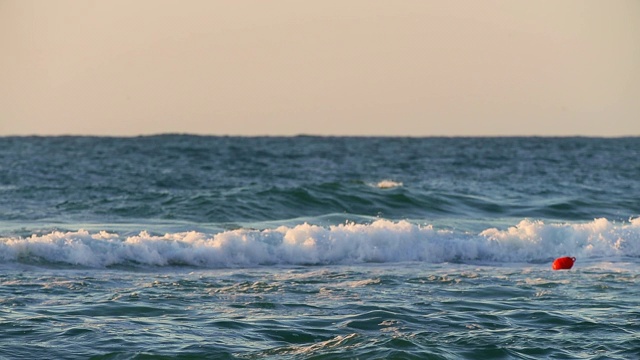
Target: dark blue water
<point>183,246</point>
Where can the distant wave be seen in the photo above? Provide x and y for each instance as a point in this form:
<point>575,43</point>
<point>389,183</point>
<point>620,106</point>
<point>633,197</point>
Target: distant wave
<point>387,184</point>
<point>381,241</point>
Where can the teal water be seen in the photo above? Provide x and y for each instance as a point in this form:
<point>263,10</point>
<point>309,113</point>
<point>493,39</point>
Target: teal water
<point>181,246</point>
<point>400,311</point>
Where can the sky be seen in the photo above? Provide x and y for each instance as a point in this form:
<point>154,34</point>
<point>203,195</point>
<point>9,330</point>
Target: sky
<point>346,67</point>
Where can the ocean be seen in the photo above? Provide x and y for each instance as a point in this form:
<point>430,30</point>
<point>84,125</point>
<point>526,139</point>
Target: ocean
<point>201,247</point>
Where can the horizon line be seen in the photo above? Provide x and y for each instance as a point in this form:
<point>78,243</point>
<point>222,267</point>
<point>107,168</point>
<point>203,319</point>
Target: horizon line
<point>159,134</point>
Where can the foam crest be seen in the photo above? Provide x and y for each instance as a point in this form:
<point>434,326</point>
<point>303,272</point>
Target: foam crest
<point>388,184</point>
<point>380,241</point>
<point>532,240</point>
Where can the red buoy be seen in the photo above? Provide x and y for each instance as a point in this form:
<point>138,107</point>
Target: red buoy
<point>563,263</point>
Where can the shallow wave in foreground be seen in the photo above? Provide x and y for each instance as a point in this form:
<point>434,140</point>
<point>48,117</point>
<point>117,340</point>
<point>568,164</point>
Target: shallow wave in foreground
<point>381,241</point>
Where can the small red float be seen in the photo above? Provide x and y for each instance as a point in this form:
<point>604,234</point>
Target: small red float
<point>563,263</point>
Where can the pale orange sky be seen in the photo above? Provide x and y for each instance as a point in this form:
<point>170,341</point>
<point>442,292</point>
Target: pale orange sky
<point>365,67</point>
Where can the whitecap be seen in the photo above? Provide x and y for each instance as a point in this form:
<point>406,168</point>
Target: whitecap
<point>381,241</point>
<point>388,184</point>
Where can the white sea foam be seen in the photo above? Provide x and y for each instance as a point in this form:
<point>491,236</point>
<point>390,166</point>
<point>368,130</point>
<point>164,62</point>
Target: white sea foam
<point>305,244</point>
<point>388,184</point>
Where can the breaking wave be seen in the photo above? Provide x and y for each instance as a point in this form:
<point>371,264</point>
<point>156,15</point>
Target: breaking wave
<point>381,241</point>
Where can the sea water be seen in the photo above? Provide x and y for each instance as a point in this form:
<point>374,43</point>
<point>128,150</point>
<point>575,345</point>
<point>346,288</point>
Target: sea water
<point>194,247</point>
